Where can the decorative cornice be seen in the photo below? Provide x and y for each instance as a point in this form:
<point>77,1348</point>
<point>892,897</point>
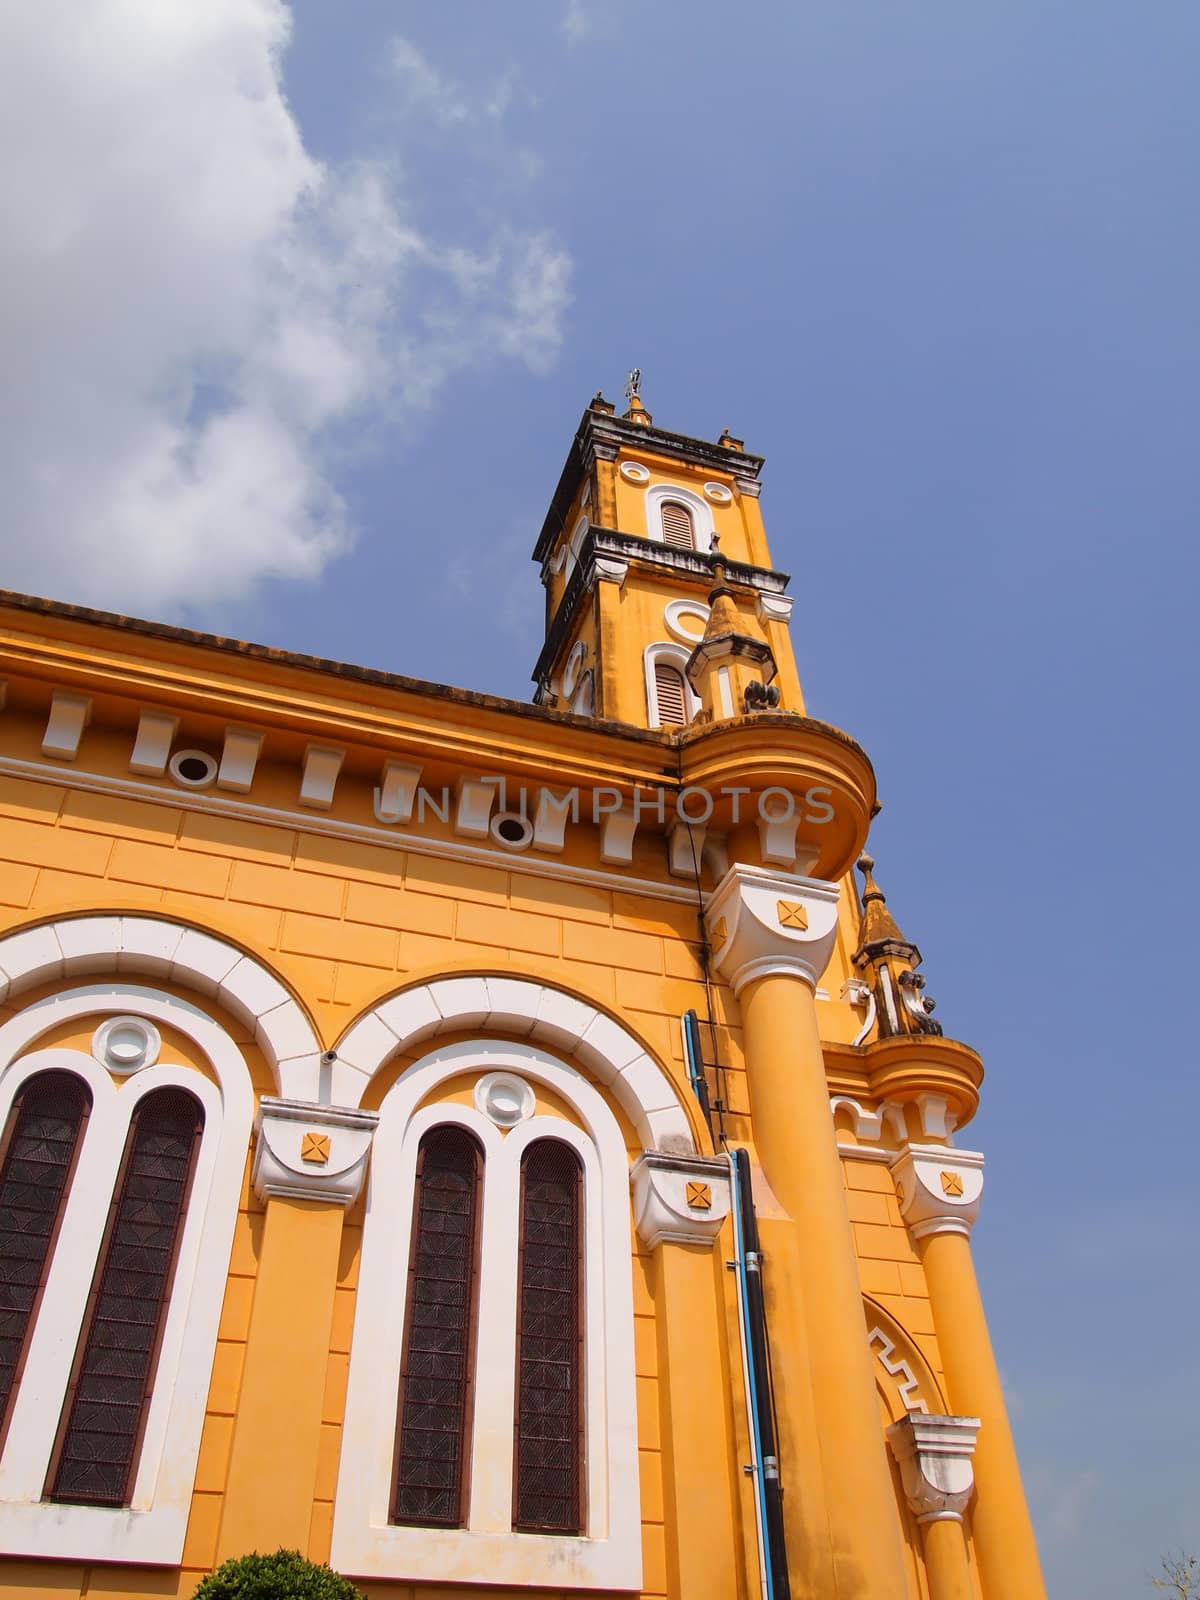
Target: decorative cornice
<point>939,1188</point>
<point>310,1152</point>
<point>679,1199</point>
<point>602,435</point>
<point>602,547</point>
<point>763,923</point>
<point>934,1455</point>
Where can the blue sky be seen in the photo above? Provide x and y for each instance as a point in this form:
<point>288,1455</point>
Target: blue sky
<point>298,331</point>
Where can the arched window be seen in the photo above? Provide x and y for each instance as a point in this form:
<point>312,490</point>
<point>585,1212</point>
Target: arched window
<point>40,1148</point>
<point>547,1479</point>
<point>670,693</point>
<point>677,525</point>
<point>535,1409</point>
<point>436,1367</point>
<point>113,1375</point>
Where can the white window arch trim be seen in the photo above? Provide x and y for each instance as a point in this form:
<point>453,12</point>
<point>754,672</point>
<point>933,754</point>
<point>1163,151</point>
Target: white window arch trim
<point>703,526</point>
<point>673,655</point>
<point>151,1529</point>
<point>364,1543</point>
<point>529,1010</point>
<point>74,947</point>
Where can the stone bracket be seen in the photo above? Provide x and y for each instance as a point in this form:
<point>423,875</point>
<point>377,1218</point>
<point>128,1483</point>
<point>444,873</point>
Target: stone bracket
<point>761,923</point>
<point>679,1199</point>
<point>310,1152</point>
<point>939,1188</point>
<point>934,1455</point>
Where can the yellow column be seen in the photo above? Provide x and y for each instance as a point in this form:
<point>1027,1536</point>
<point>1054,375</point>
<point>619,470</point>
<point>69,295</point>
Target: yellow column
<point>946,1564</point>
<point>277,1432</point>
<point>701,1507</point>
<point>939,1191</point>
<point>773,934</point>
<point>309,1162</point>
<point>934,1454</point>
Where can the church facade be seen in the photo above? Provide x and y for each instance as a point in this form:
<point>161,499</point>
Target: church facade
<point>490,1147</point>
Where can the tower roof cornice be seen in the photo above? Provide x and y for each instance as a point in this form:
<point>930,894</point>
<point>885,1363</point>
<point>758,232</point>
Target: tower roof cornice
<point>603,435</point>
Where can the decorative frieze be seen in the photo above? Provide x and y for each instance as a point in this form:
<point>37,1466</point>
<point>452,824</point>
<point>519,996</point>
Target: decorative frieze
<point>310,1152</point>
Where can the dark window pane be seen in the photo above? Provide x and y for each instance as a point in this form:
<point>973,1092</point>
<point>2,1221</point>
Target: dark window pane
<point>114,1373</point>
<point>435,1376</point>
<point>548,1494</point>
<point>39,1154</point>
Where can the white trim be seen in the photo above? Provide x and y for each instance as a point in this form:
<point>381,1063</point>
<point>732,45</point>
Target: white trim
<point>364,1543</point>
<point>529,1010</point>
<point>151,945</point>
<point>391,838</point>
<point>673,655</point>
<point>676,610</point>
<point>151,1530</point>
<point>702,518</point>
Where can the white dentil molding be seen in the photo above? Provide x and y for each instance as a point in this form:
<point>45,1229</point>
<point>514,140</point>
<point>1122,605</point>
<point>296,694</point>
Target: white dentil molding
<point>939,1188</point>
<point>934,1457</point>
<point>763,923</point>
<point>679,1199</point>
<point>308,1152</point>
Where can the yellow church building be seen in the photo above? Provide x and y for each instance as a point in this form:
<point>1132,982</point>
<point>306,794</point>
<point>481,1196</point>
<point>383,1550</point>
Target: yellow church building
<point>491,1147</point>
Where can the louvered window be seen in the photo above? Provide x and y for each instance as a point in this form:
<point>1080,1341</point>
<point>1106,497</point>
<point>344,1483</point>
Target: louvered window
<point>670,692</point>
<point>39,1155</point>
<point>548,1476</point>
<point>99,1438</point>
<point>438,1355</point>
<point>677,526</point>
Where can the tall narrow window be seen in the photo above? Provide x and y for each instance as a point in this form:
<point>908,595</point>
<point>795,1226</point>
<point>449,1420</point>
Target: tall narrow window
<point>677,526</point>
<point>670,693</point>
<point>96,1451</point>
<point>548,1478</point>
<point>437,1361</point>
<point>39,1154</point>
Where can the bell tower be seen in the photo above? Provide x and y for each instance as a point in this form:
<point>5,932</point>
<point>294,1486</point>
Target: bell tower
<point>662,605</point>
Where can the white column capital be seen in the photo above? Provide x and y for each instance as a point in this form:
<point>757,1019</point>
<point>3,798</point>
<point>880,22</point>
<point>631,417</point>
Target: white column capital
<point>310,1152</point>
<point>679,1199</point>
<point>762,923</point>
<point>934,1456</point>
<point>939,1188</point>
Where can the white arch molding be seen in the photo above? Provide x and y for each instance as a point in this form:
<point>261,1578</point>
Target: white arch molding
<point>702,516</point>
<point>522,1009</point>
<point>152,946</point>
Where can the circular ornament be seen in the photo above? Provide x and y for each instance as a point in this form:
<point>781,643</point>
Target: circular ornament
<point>574,666</point>
<point>634,472</point>
<point>194,769</point>
<point>686,620</point>
<point>504,1098</point>
<point>126,1044</point>
<point>512,830</point>
<point>718,493</point>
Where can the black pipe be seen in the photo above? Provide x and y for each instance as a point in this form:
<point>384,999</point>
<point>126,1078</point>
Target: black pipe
<point>691,1023</point>
<point>761,1359</point>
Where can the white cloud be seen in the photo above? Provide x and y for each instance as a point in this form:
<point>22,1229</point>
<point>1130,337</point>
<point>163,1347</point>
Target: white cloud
<point>198,316</point>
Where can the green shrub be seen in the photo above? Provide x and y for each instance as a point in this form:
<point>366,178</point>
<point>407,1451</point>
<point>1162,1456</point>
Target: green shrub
<point>284,1576</point>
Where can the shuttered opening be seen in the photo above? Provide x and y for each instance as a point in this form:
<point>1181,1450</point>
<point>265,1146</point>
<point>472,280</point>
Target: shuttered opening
<point>548,1476</point>
<point>671,695</point>
<point>677,526</point>
<point>435,1377</point>
<point>105,1410</point>
<point>40,1147</point>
